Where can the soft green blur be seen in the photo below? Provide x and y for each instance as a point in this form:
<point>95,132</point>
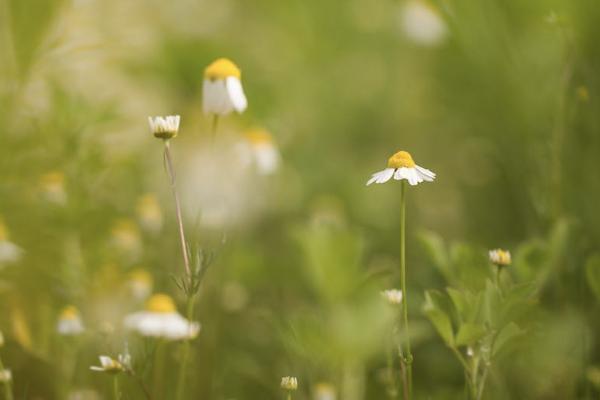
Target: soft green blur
<point>502,104</point>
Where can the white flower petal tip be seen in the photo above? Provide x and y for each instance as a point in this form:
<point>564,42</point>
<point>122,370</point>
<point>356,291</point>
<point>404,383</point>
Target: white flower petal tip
<point>401,166</point>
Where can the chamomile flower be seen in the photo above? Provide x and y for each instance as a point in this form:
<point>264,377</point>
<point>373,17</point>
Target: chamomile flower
<point>289,383</point>
<point>160,319</point>
<point>5,375</point>
<point>125,237</point>
<point>9,252</point>
<point>222,90</point>
<point>69,322</point>
<point>422,23</point>
<point>164,127</point>
<point>149,213</point>
<point>140,283</point>
<point>52,187</point>
<point>393,296</point>
<point>401,166</point>
<point>108,365</point>
<point>259,150</point>
<point>500,257</point>
<point>324,391</point>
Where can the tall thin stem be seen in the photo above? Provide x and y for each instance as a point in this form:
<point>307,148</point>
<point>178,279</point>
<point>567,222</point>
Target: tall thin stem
<point>172,178</point>
<point>116,392</point>
<point>185,350</point>
<point>408,358</point>
<point>8,393</point>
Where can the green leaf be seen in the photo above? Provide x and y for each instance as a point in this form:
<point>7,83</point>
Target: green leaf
<point>508,333</point>
<point>592,271</point>
<point>438,317</point>
<point>469,334</point>
<point>436,250</point>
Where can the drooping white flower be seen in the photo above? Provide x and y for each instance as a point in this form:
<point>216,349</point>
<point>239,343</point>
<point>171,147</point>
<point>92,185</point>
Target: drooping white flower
<point>69,322</point>
<point>421,22</point>
<point>500,257</point>
<point>164,127</point>
<point>108,365</point>
<point>222,90</point>
<point>289,383</point>
<point>393,296</point>
<point>160,319</point>
<point>258,150</point>
<point>401,166</point>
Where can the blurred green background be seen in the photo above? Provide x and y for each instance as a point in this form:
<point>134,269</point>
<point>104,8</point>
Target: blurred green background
<point>499,98</point>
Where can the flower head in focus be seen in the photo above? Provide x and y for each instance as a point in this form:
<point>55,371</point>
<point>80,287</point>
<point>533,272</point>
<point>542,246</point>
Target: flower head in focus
<point>393,296</point>
<point>164,127</point>
<point>401,166</point>
<point>289,383</point>
<point>160,319</point>
<point>259,150</point>
<point>69,322</point>
<point>222,90</point>
<point>500,257</point>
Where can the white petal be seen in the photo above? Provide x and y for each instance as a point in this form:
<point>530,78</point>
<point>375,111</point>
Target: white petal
<point>381,176</point>
<point>236,94</point>
<point>413,177</point>
<point>215,97</point>
<point>430,176</point>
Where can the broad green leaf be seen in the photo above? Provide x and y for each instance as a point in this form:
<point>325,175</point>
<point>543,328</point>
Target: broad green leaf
<point>436,250</point>
<point>469,334</point>
<point>592,271</point>
<point>438,317</point>
<point>508,333</point>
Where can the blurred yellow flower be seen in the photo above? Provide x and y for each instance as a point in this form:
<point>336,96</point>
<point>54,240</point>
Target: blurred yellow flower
<point>140,283</point>
<point>289,383</point>
<point>149,213</point>
<point>69,322</point>
<point>222,90</point>
<point>9,252</point>
<point>324,391</point>
<point>164,127</point>
<point>402,166</point>
<point>160,319</point>
<point>52,187</point>
<point>259,150</point>
<point>500,257</point>
<point>125,236</point>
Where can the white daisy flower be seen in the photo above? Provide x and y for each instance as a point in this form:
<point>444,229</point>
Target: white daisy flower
<point>9,252</point>
<point>69,322</point>
<point>422,23</point>
<point>109,365</point>
<point>258,149</point>
<point>500,257</point>
<point>402,166</point>
<point>222,90</point>
<point>324,391</point>
<point>289,383</point>
<point>164,127</point>
<point>393,296</point>
<point>161,320</point>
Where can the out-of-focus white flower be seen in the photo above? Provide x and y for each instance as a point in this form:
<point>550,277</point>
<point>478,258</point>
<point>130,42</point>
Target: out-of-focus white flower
<point>140,283</point>
<point>401,166</point>
<point>161,320</point>
<point>422,23</point>
<point>222,90</point>
<point>69,322</point>
<point>149,213</point>
<point>9,252</point>
<point>259,150</point>
<point>289,383</point>
<point>470,351</point>
<point>500,257</point>
<point>324,391</point>
<point>52,187</point>
<point>125,236</point>
<point>164,127</point>
<point>393,296</point>
<point>108,365</point>
<point>83,394</point>
<point>5,375</point>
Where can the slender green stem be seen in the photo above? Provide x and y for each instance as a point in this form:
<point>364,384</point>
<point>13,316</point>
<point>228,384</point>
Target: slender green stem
<point>408,358</point>
<point>116,392</point>
<point>289,396</point>
<point>8,393</point>
<point>172,179</point>
<point>482,384</point>
<point>159,369</point>
<point>185,351</point>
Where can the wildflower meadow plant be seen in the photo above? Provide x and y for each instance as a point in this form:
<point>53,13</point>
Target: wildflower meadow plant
<point>402,167</point>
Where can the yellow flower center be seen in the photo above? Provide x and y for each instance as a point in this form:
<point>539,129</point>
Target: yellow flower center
<point>160,303</point>
<point>142,276</point>
<point>53,178</point>
<point>401,159</point>
<point>69,313</point>
<point>222,68</point>
<point>258,136</point>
